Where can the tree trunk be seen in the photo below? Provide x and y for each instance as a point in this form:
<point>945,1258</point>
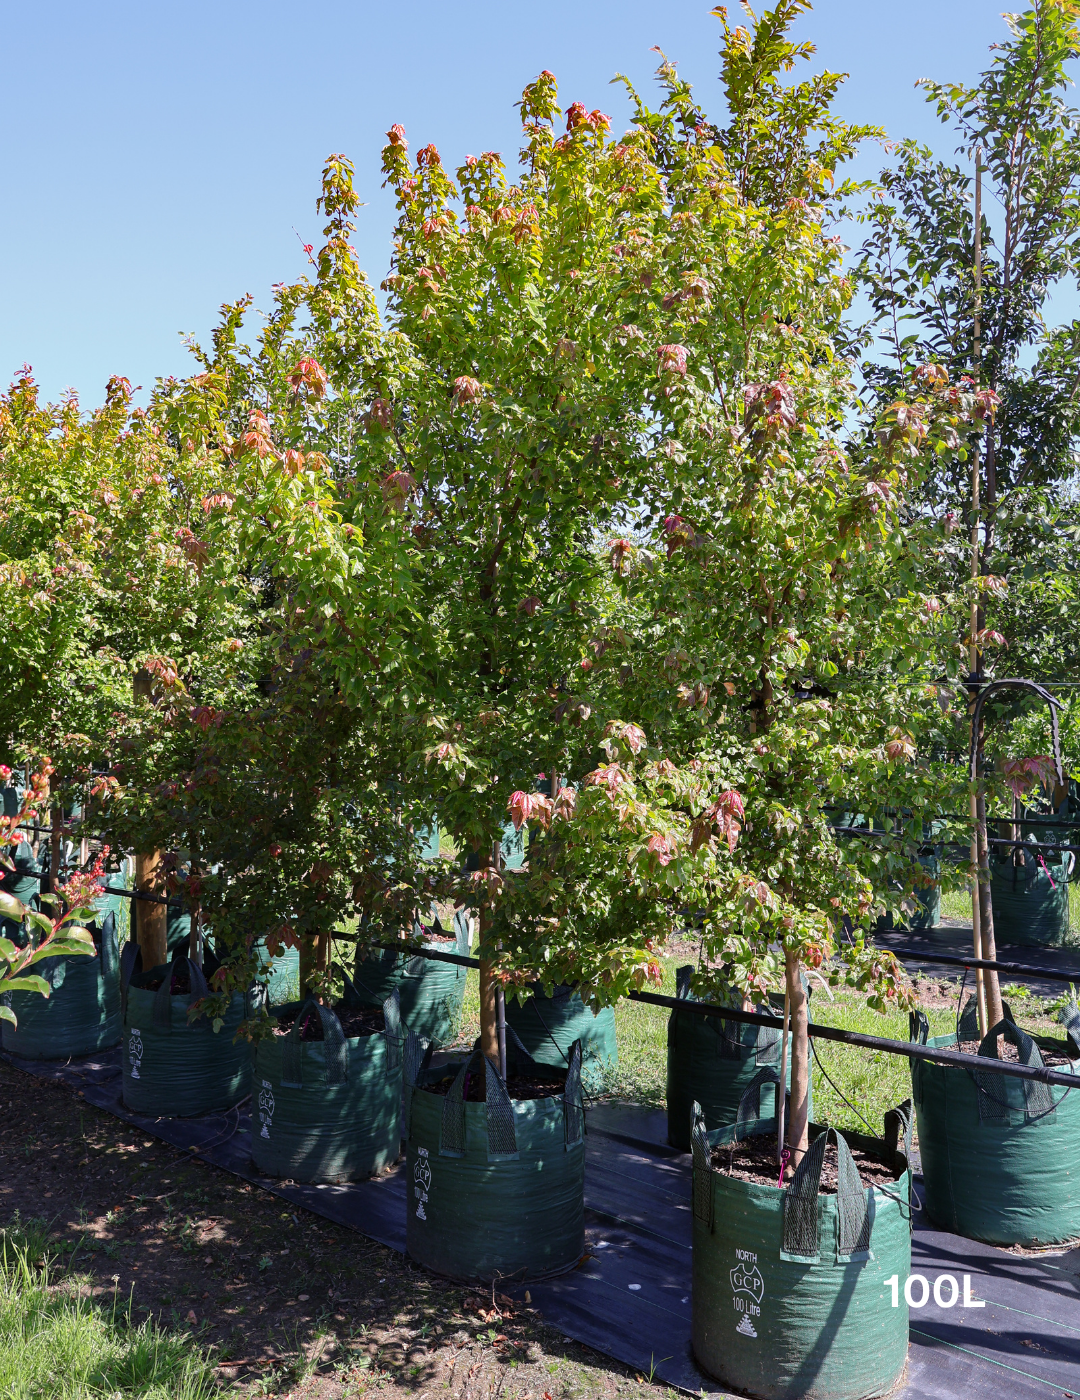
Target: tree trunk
<point>315,956</point>
<point>799,1117</point>
<point>151,920</point>
<point>994,1009</point>
<point>56,838</point>
<point>489,1017</point>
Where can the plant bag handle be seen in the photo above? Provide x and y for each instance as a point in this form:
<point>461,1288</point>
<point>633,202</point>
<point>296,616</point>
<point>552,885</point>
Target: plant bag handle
<point>162,1015</point>
<point>749,1110</point>
<point>501,1130</point>
<point>109,952</point>
<point>416,1057</point>
<point>801,1244</point>
<point>573,1102</point>
<point>335,1048</point>
<point>1069,1016</point>
<point>702,1167</point>
<point>129,958</point>
<point>393,1032</point>
<point>463,932</point>
<point>1038,1100</point>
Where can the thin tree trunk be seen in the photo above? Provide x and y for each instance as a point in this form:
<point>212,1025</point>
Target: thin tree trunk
<point>56,837</point>
<point>489,1015</point>
<point>315,954</point>
<point>994,1009</point>
<point>799,1119</point>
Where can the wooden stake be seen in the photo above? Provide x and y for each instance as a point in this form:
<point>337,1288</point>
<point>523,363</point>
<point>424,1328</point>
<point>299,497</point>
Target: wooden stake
<point>781,1091</point>
<point>151,920</point>
<point>798,1127</point>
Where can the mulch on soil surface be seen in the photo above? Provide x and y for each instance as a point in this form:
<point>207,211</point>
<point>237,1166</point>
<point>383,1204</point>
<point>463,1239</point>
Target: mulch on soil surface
<point>292,1305</point>
<point>1006,1050</point>
<point>356,1021</point>
<point>754,1160</point>
<point>517,1087</point>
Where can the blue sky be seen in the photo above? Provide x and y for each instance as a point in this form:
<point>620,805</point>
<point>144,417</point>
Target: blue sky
<point>158,158</point>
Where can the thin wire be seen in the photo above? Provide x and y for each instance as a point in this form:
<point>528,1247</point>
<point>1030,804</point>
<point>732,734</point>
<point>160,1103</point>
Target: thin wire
<point>817,1058</point>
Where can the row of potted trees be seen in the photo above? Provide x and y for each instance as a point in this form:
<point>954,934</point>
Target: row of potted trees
<point>570,532</point>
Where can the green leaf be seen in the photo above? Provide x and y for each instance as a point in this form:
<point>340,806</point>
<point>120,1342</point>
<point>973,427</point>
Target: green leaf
<point>26,984</point>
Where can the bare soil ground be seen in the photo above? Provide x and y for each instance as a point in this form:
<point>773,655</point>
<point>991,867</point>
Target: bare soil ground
<point>291,1305</point>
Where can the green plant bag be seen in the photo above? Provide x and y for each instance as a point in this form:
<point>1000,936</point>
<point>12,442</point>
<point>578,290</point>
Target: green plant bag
<point>1031,901</point>
<point>82,1013</point>
<point>431,992</point>
<point>330,1109</point>
<point>280,975</point>
<point>496,1189</point>
<point>789,1298</point>
<point>927,913</point>
<point>999,1156</point>
<point>173,1068</point>
<point>548,1027</point>
<point>712,1062</point>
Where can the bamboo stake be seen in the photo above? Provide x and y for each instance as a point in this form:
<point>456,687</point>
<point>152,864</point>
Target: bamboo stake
<point>974,658</point>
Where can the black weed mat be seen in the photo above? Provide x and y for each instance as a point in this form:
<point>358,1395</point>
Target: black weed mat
<point>630,1296</point>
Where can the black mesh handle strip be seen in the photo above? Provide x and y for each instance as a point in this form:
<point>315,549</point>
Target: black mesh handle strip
<point>702,1160</point>
<point>683,976</point>
<point>335,1048</point>
<point>413,1061</point>
<point>1069,1016</point>
<point>452,1135</point>
<point>801,1237</point>
<point>1038,1100</point>
<point>501,1127</point>
<point>749,1110</point>
<point>852,1206</point>
<point>392,1032</point>
<point>109,951</point>
<point>801,1203</point>
<point>131,955</point>
<point>573,1104</point>
<point>162,1014</point>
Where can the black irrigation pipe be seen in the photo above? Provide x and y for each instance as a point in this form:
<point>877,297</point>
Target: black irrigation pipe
<point>866,832</point>
<point>1017,969</point>
<point>123,892</point>
<point>956,817</point>
<point>911,1049</point>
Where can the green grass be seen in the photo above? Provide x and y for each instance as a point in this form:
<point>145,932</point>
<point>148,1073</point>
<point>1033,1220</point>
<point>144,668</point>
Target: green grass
<point>58,1343</point>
